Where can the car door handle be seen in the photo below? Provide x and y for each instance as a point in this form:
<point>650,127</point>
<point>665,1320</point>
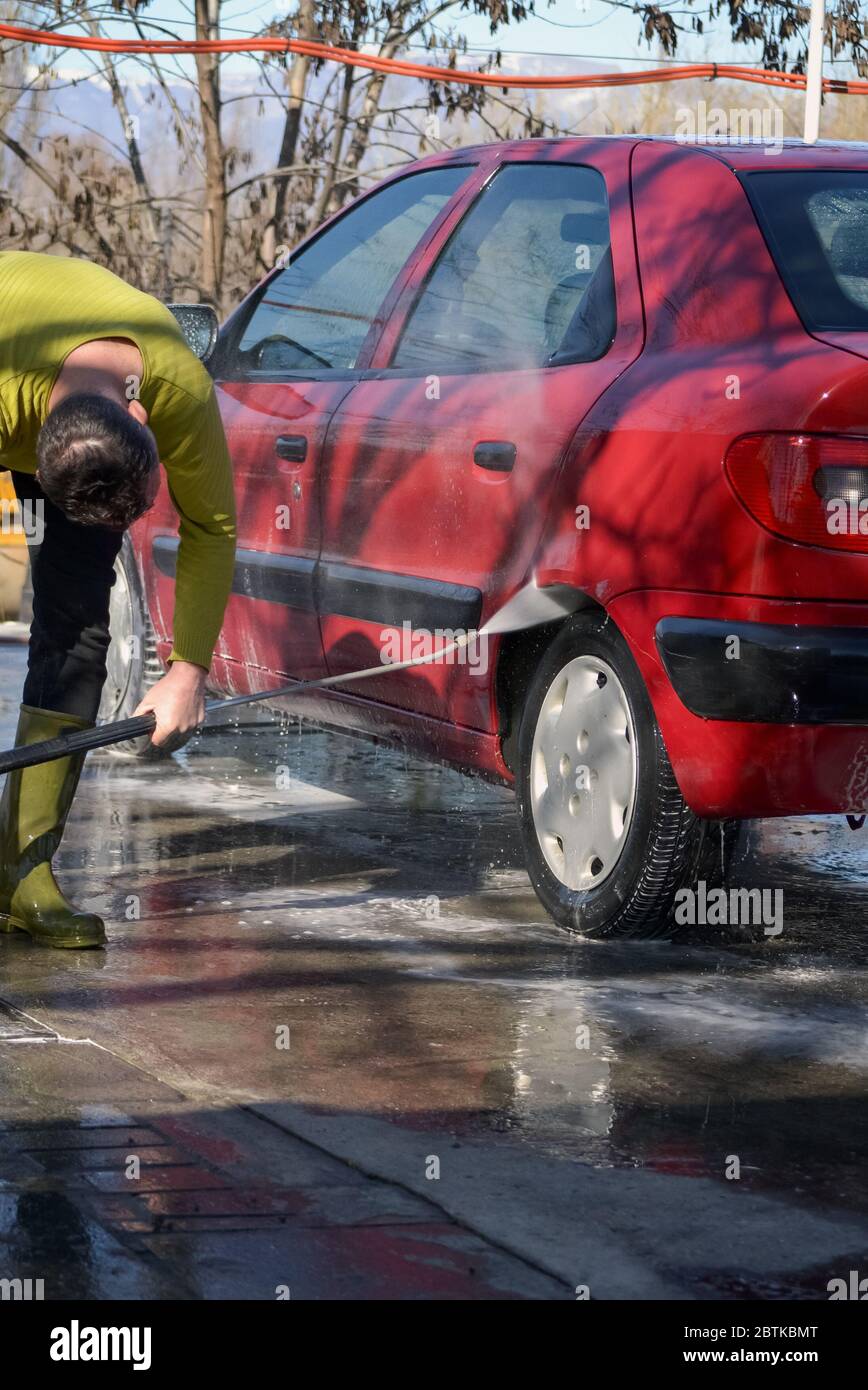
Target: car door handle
<point>497,455</point>
<point>292,447</point>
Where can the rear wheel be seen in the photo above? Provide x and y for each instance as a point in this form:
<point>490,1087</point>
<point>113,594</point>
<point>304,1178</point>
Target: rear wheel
<point>609,838</point>
<point>132,663</point>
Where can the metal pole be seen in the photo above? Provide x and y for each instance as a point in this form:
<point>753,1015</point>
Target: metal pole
<point>814,86</point>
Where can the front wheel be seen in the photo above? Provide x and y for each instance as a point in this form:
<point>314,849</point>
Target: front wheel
<point>608,837</point>
<point>132,663</point>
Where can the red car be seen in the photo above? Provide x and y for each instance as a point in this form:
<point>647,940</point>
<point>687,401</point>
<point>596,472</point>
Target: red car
<point>630,368</point>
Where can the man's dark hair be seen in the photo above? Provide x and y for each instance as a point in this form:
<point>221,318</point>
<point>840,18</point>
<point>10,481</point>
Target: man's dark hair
<point>96,462</point>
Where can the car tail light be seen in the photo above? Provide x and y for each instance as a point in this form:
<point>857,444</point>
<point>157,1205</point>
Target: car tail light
<point>811,488</point>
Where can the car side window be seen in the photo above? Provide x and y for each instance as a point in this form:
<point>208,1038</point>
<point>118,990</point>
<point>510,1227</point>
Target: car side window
<point>316,313</point>
<point>525,280</point>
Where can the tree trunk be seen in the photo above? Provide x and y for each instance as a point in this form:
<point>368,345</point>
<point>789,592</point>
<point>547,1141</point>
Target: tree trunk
<point>214,210</point>
<point>150,213</point>
<point>276,230</point>
<point>347,185</point>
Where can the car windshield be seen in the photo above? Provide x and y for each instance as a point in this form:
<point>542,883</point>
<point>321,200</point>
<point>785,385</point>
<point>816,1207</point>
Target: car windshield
<point>816,226</point>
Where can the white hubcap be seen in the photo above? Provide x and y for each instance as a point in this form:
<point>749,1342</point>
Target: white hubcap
<point>583,773</point>
<point>120,653</point>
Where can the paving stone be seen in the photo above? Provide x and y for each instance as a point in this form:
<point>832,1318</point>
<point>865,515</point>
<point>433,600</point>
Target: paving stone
<point>111,1160</point>
<point>172,1179</point>
<point>39,1140</point>
<point>226,1202</point>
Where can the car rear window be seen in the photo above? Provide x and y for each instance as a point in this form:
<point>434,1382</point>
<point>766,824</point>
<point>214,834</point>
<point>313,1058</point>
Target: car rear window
<point>816,226</point>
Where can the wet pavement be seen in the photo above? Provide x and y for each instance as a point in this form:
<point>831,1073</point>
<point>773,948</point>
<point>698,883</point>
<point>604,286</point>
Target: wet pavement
<point>335,1049</point>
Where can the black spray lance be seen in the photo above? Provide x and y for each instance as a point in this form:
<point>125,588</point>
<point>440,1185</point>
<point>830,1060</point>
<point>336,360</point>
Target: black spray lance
<point>530,607</point>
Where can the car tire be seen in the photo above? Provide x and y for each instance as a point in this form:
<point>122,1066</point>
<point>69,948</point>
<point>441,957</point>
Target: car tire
<point>132,662</point>
<point>608,836</point>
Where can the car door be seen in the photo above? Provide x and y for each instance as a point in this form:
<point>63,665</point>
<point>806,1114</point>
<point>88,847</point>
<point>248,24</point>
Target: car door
<point>443,460</point>
<point>285,362</point>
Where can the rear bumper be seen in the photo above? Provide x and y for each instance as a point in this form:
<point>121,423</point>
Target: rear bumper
<point>768,673</point>
<point>774,723</point>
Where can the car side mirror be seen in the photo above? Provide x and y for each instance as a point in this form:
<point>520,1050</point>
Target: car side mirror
<point>199,325</point>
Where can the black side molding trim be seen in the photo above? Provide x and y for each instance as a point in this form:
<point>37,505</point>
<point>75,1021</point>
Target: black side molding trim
<point>775,674</point>
<point>347,591</point>
<point>286,579</point>
<point>376,596</point>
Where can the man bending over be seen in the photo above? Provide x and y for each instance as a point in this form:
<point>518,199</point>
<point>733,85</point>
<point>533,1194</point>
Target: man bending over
<point>97,389</point>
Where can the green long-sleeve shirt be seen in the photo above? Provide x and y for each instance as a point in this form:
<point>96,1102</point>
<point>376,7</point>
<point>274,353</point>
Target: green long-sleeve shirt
<point>52,304</point>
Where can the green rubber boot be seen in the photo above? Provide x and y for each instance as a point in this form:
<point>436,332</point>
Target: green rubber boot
<point>33,812</point>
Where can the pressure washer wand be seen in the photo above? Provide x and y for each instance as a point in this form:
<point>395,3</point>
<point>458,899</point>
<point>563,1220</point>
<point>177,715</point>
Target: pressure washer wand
<point>529,607</point>
<point>103,735</point>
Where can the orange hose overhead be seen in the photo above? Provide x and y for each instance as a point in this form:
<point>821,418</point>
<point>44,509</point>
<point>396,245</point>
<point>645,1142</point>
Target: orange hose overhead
<point>400,67</point>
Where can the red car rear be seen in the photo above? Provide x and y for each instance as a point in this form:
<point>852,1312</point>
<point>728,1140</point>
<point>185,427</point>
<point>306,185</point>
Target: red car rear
<point>627,367</point>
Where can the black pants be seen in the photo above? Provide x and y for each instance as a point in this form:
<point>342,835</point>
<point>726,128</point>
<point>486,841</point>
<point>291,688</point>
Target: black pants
<point>72,569</point>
